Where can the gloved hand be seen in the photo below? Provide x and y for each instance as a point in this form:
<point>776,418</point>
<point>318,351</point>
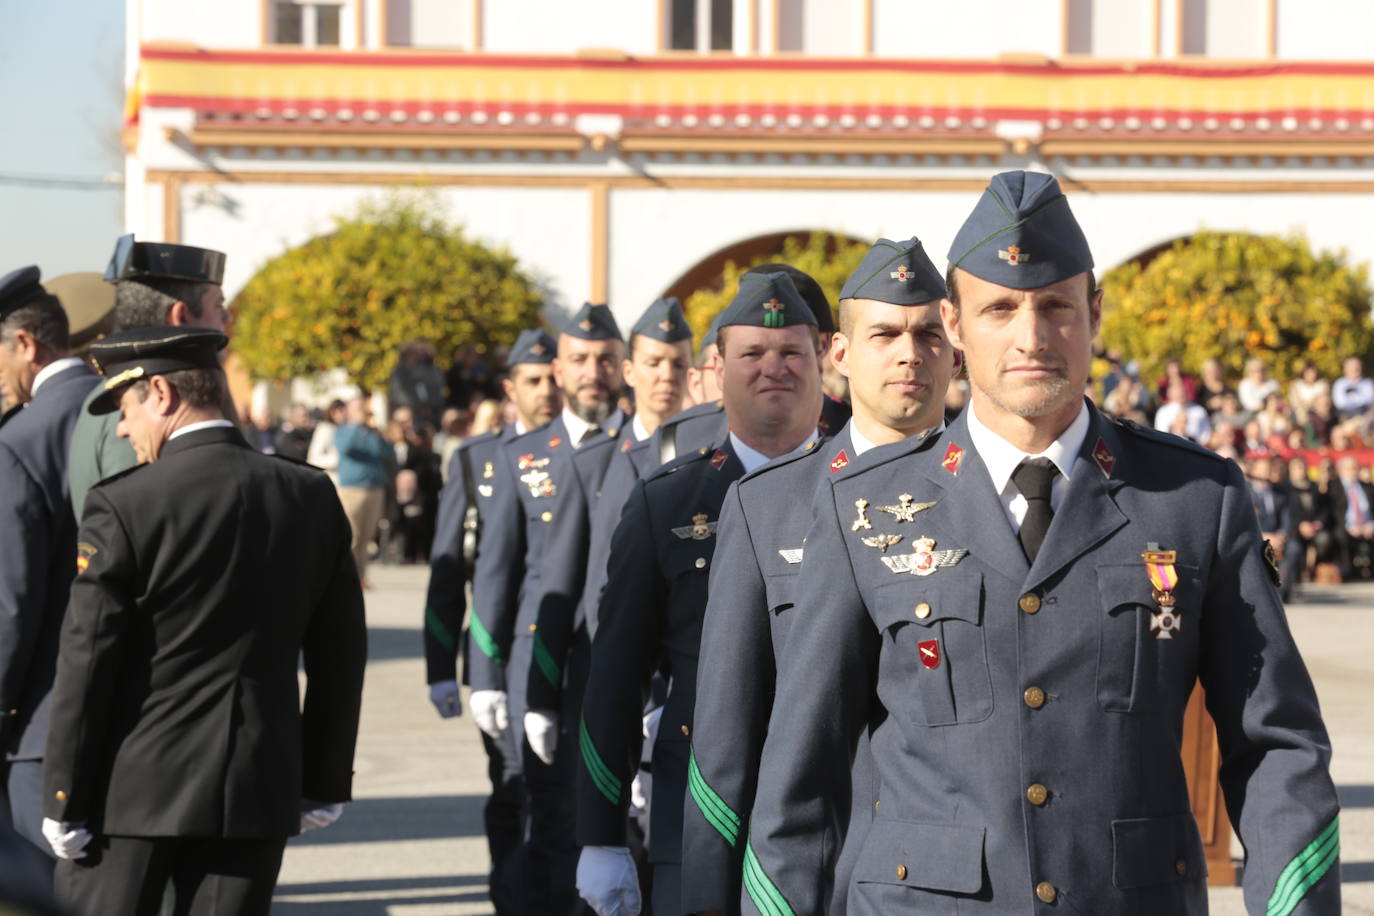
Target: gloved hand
<point>489,712</point>
<point>541,731</point>
<point>651,732</point>
<point>67,842</point>
<point>446,699</point>
<point>606,879</point>
<point>322,816</point>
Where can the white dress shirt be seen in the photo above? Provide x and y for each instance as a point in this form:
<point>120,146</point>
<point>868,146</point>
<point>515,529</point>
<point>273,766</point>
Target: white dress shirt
<point>196,427</point>
<point>1001,458</point>
<point>577,427</point>
<point>641,432</point>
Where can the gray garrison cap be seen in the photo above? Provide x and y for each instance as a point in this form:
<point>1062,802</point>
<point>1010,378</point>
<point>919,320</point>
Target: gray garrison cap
<point>663,321</point>
<point>532,346</point>
<point>766,301</point>
<point>1021,234</point>
<point>593,322</point>
<point>900,273</point>
<point>807,288</point>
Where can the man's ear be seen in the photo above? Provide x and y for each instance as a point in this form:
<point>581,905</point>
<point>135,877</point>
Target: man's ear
<point>839,353</point>
<point>178,314</point>
<point>949,315</point>
<point>166,401</point>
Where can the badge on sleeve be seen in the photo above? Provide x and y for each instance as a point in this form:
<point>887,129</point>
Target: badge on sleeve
<point>84,552</point>
<point>929,650</point>
<point>1159,566</point>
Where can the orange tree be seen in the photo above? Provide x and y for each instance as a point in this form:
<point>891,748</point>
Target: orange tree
<point>1231,296</point>
<point>392,272</point>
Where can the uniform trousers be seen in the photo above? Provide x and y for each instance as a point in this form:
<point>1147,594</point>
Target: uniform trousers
<point>502,819</point>
<point>210,876</point>
<point>363,506</point>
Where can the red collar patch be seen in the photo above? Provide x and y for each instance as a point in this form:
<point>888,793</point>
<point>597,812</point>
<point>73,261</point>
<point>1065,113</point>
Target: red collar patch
<point>840,463</point>
<point>954,456</point>
<point>625,446</point>
<point>555,442</point>
<point>718,459</point>
<point>1104,457</point>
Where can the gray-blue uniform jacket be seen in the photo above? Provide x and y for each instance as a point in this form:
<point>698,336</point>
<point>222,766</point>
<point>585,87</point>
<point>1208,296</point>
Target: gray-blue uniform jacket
<point>1029,759</point>
<point>39,560</point>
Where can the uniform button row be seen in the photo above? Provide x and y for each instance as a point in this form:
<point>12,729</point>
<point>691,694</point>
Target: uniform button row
<point>1037,794</point>
<point>1029,603</point>
<point>1034,697</point>
<point>1045,892</point>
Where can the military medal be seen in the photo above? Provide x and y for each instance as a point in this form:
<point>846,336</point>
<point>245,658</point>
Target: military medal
<point>929,650</point>
<point>484,489</point>
<point>699,530</point>
<point>1159,566</point>
<point>861,523</point>
<point>905,510</point>
<point>487,470</point>
<point>924,559</point>
<point>525,462</point>
<point>882,541</point>
<point>539,482</point>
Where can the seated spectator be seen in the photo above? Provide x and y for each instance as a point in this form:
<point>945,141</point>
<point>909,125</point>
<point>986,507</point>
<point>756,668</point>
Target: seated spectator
<point>1277,521</point>
<point>1321,417</point>
<point>1182,418</point>
<point>1252,438</point>
<point>1125,401</point>
<point>322,453</point>
<point>1312,508</point>
<point>1344,438</point>
<point>1275,421</point>
<point>260,431</point>
<point>1352,512</point>
<point>1352,393</point>
<point>1231,411</point>
<point>293,436</point>
<point>1303,390</point>
<point>1224,435</point>
<point>1173,373</point>
<point>1212,386</point>
<point>1255,386</point>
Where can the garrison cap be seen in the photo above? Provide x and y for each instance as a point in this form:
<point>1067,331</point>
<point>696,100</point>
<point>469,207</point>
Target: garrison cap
<point>593,322</point>
<point>709,337</point>
<point>808,288</point>
<point>534,345</point>
<point>663,321</point>
<point>18,288</point>
<point>1021,234</point>
<point>899,273</point>
<point>162,260</point>
<point>766,301</point>
<point>127,356</point>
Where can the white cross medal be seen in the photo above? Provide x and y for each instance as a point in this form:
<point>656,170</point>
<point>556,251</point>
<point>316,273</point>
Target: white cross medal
<point>1159,566</point>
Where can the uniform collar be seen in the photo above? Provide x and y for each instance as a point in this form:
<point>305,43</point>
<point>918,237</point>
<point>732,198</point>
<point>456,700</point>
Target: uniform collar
<point>196,427</point>
<point>752,459</point>
<point>862,443</point>
<point>51,369</point>
<point>1001,458</point>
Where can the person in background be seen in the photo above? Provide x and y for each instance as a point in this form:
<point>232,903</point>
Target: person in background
<point>412,525</point>
<point>293,436</point>
<point>322,453</point>
<point>1256,385</point>
<point>1352,393</point>
<point>1182,417</point>
<point>1321,419</point>
<point>1304,390</point>
<point>453,429</point>
<point>1278,522</point>
<point>487,417</point>
<point>364,462</point>
<point>1312,508</point>
<point>417,383</point>
<point>1174,374</point>
<point>260,431</point>
<point>1212,386</point>
<point>1352,511</point>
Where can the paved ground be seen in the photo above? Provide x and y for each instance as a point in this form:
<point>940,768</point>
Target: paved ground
<point>412,844</point>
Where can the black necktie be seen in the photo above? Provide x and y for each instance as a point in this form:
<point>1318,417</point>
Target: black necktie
<point>1035,478</point>
<point>586,436</point>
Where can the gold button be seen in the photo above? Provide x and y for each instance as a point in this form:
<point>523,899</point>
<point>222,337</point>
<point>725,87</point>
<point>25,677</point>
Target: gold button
<point>686,730</point>
<point>547,516</point>
<point>1045,892</point>
<point>1030,603</point>
<point>901,872</point>
<point>60,795</point>
<point>533,627</point>
<point>1034,697</point>
<point>701,563</point>
<point>1037,794</point>
<point>923,610</point>
<point>1181,867</point>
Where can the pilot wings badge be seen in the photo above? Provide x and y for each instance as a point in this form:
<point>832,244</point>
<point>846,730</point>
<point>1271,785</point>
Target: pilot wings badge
<point>924,559</point>
<point>699,530</point>
<point>882,541</point>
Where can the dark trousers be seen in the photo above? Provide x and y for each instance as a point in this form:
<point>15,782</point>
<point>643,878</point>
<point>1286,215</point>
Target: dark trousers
<point>209,876</point>
<point>21,790</point>
<point>502,817</point>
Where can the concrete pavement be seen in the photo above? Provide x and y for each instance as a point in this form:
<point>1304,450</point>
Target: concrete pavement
<point>412,842</point>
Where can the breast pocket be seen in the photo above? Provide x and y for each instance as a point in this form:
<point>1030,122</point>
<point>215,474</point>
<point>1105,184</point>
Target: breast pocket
<point>1147,657</point>
<point>934,663</point>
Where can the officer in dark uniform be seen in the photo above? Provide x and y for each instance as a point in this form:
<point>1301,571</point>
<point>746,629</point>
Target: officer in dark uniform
<point>180,750</point>
<point>655,596</point>
<point>457,541</point>
<point>532,485</point>
<point>1023,650</point>
<point>156,283</point>
<point>892,348</point>
<point>48,385</point>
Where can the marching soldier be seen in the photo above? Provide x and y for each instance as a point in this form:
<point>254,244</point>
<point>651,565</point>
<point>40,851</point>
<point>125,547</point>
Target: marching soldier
<point>1024,654</point>
<point>180,751</point>
<point>47,385</point>
<point>156,283</point>
<point>530,489</point>
<point>457,542</point>
<point>655,596</point>
<point>892,348</point>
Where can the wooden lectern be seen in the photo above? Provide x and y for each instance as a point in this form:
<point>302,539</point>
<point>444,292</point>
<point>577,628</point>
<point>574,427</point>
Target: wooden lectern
<point>1201,762</point>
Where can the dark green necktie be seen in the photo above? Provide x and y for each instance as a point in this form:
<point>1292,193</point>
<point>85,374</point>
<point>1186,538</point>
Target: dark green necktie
<point>1034,477</point>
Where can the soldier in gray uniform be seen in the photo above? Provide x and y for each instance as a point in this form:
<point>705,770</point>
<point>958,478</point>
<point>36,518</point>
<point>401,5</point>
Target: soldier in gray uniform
<point>156,283</point>
<point>1023,650</point>
<point>892,348</point>
<point>484,651</point>
<point>650,620</point>
<point>531,486</point>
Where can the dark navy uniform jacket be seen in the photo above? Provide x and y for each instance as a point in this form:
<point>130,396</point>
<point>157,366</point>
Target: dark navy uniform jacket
<point>651,618</point>
<point>39,559</point>
<point>1029,757</point>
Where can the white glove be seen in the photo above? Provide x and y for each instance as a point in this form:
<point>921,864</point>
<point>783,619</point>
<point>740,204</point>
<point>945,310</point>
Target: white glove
<point>489,712</point>
<point>66,842</point>
<point>606,879</point>
<point>541,731</point>
<point>322,816</point>
<point>651,721</point>
<point>446,699</point>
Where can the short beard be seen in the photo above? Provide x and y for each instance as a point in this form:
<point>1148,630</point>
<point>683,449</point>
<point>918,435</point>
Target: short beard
<point>594,413</point>
<point>1055,395</point>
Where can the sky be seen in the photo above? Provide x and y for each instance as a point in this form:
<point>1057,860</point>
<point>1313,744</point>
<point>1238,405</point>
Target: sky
<point>61,107</point>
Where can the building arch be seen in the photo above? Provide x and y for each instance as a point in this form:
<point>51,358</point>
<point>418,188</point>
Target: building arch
<point>709,271</point>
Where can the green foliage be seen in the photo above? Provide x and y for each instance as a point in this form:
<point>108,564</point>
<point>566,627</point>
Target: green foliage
<point>828,258</point>
<point>1232,296</point>
<point>389,274</point>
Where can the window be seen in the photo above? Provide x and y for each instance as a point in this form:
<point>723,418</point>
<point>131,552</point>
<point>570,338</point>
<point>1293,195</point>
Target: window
<point>701,25</point>
<point>301,22</point>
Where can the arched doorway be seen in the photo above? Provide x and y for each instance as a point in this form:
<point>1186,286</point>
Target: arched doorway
<point>709,271</point>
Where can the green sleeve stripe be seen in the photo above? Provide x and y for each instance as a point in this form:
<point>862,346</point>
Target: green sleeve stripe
<point>762,890</point>
<point>438,630</point>
<point>1306,869</point>
<point>482,637</point>
<point>547,665</point>
<point>711,805</point>
<point>607,783</point>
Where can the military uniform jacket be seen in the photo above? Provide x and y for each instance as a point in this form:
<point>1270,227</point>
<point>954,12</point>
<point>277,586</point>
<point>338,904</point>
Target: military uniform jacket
<point>651,619</point>
<point>696,427</point>
<point>97,452</point>
<point>630,461</point>
<point>176,710</point>
<point>37,563</point>
<point>1029,758</point>
<point>471,472</point>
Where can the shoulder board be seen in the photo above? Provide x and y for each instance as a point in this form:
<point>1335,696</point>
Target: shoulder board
<point>813,448</point>
<point>696,410</point>
<point>489,436</point>
<point>681,461</point>
<point>1169,439</point>
<point>120,475</point>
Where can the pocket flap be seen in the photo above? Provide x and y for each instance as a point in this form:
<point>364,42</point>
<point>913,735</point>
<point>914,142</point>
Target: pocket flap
<point>1157,850</point>
<point>941,857</point>
<point>923,600</point>
<point>781,591</point>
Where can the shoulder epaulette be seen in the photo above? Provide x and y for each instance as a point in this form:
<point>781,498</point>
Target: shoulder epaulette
<point>679,462</point>
<point>119,475</point>
<point>813,448</point>
<point>467,444</point>
<point>1169,439</point>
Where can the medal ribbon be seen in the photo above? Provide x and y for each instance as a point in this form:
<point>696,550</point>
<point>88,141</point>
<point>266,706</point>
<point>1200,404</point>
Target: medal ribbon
<point>1163,576</point>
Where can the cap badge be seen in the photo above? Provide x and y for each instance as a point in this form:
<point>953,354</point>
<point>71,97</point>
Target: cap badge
<point>585,324</point>
<point>924,559</point>
<point>718,459</point>
<point>699,530</point>
<point>930,653</point>
<point>128,375</point>
<point>772,317</point>
<point>1104,457</point>
<point>840,463</point>
<point>954,456</point>
<point>538,349</point>
<point>861,523</point>
<point>902,273</point>
<point>1159,566</point>
<point>882,541</point>
<point>905,510</point>
<point>665,325</point>
<point>1013,255</point>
